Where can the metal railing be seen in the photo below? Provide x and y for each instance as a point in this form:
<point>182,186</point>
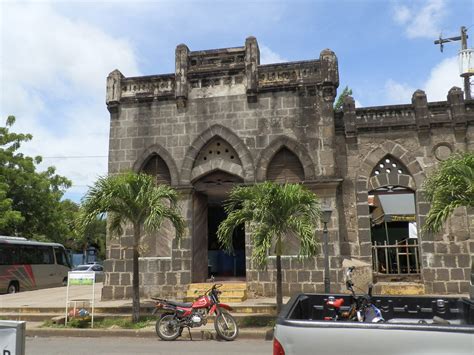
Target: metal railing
<point>400,259</point>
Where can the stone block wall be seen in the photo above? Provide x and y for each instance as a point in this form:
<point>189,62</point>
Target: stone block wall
<point>257,110</point>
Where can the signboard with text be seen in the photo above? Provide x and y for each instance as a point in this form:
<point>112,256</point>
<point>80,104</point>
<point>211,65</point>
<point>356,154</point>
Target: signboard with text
<point>81,278</point>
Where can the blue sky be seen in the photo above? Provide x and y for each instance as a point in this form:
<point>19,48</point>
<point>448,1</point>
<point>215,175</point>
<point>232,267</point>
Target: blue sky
<point>55,56</point>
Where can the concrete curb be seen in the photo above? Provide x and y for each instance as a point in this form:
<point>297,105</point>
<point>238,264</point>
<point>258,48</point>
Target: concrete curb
<point>197,334</point>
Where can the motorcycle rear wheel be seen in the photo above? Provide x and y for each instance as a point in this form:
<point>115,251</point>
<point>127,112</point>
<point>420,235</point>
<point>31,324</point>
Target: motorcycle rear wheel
<point>167,327</point>
<point>226,326</point>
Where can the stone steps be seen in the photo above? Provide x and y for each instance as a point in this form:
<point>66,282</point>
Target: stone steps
<point>399,288</point>
<point>232,292</point>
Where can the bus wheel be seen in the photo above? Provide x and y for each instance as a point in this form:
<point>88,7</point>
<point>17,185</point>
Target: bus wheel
<point>65,281</point>
<point>13,287</point>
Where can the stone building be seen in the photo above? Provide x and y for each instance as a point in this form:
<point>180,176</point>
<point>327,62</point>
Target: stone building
<point>223,119</point>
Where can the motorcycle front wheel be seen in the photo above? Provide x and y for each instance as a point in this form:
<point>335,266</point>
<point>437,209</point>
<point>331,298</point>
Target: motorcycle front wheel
<point>226,326</point>
<point>167,327</point>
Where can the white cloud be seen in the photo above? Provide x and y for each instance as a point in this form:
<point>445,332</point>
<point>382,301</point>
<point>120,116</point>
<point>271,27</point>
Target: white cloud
<point>421,19</point>
<point>267,56</point>
<point>53,81</point>
<point>441,79</point>
<point>398,92</point>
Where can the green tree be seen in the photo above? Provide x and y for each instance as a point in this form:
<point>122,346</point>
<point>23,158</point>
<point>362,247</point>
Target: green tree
<point>9,219</point>
<point>340,99</point>
<point>273,213</point>
<point>84,236</point>
<point>136,200</point>
<point>449,187</point>
<point>30,200</point>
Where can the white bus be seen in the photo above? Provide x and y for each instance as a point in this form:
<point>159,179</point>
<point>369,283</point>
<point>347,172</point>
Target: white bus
<point>28,265</point>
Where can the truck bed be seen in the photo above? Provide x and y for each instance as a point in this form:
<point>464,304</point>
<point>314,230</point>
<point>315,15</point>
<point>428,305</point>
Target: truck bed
<point>301,328</point>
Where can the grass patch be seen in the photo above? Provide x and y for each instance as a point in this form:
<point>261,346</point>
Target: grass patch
<point>123,323</point>
<point>257,321</point>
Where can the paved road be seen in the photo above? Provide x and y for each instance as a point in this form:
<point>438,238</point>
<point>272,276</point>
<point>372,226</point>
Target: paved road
<point>117,346</point>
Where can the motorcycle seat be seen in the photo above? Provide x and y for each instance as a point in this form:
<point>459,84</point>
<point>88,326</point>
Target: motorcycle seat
<point>181,304</point>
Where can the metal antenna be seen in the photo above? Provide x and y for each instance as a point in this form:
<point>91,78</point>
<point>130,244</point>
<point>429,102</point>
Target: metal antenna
<point>463,38</point>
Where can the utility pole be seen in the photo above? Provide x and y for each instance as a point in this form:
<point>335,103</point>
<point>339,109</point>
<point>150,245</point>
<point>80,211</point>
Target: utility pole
<point>463,38</point>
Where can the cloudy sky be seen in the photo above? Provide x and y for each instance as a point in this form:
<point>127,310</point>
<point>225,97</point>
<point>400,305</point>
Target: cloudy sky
<point>55,56</point>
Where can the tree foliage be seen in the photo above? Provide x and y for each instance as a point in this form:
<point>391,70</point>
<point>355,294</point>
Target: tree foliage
<point>273,212</point>
<point>30,201</point>
<point>132,199</point>
<point>340,99</point>
<point>449,187</point>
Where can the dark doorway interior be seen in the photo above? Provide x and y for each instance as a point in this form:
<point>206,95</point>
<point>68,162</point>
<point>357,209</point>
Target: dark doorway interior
<point>209,258</point>
<point>221,264</point>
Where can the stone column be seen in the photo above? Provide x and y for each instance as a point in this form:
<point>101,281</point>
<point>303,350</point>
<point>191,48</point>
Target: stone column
<point>350,129</point>
<point>420,105</point>
<point>458,109</point>
<point>327,89</point>
<point>114,93</point>
<point>252,61</point>
<point>113,87</point>
<point>181,72</point>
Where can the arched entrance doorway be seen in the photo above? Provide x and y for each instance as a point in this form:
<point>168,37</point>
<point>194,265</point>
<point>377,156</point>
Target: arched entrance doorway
<point>209,259</point>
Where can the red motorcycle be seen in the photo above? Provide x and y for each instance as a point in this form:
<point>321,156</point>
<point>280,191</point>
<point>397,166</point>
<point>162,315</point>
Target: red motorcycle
<point>177,316</point>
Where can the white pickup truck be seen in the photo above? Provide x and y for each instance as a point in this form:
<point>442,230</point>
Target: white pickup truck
<point>413,325</point>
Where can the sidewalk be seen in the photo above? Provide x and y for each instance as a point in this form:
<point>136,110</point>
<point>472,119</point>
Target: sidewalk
<point>56,297</point>
<point>47,303</point>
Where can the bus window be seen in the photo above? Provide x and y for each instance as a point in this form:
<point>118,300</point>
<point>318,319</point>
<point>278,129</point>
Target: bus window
<point>30,254</point>
<point>61,258</point>
<point>9,254</point>
<point>46,255</point>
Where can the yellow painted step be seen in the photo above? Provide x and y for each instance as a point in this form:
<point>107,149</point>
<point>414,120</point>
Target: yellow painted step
<point>399,288</point>
<point>225,286</point>
<point>231,291</point>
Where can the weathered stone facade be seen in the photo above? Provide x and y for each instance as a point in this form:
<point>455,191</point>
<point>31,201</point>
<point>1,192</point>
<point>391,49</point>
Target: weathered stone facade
<point>222,118</point>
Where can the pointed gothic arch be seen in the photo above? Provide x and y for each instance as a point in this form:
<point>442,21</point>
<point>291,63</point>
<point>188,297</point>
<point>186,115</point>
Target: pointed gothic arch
<point>299,150</point>
<point>157,151</point>
<point>397,151</point>
<point>227,136</point>
<point>285,167</point>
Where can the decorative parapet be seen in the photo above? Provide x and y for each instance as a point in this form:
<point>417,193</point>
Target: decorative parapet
<point>216,59</point>
<point>228,71</point>
<point>420,115</point>
<point>381,116</point>
<point>284,75</point>
<point>148,86</point>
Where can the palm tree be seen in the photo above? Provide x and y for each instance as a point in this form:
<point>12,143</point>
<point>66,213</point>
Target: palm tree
<point>449,187</point>
<point>273,212</point>
<point>136,200</point>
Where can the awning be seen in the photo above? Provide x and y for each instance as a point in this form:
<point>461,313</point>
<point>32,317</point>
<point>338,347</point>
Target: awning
<point>394,208</point>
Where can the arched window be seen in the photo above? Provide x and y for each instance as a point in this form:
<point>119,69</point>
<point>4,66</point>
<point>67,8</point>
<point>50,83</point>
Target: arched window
<point>285,167</point>
<point>393,220</point>
<point>157,167</point>
<point>158,244</point>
